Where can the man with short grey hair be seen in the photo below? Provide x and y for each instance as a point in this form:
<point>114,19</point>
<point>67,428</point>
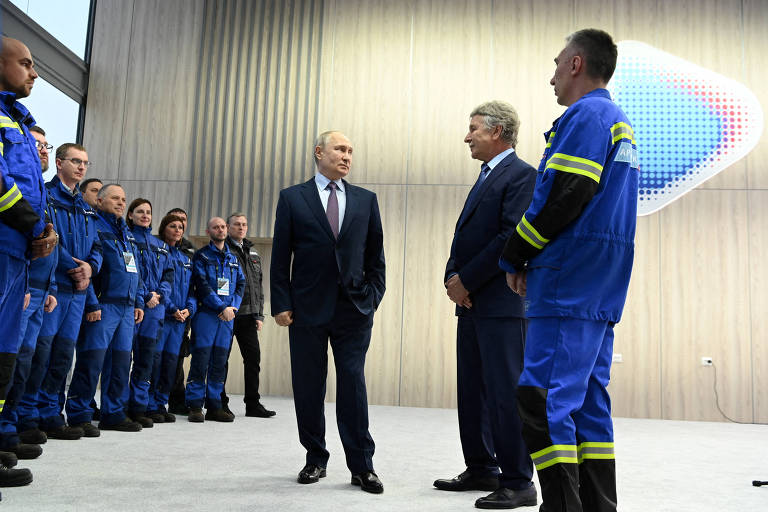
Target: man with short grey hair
<point>327,279</point>
<point>250,316</point>
<point>491,318</point>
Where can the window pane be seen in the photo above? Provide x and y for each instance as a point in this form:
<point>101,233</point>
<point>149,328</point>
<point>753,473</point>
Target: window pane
<point>56,113</point>
<point>66,21</point>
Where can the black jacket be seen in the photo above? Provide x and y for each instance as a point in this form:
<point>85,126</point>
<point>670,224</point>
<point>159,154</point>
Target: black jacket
<point>250,262</point>
<point>187,247</point>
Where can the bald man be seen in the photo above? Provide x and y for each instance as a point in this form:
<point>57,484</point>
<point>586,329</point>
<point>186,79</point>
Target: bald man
<point>219,283</point>
<point>23,231</point>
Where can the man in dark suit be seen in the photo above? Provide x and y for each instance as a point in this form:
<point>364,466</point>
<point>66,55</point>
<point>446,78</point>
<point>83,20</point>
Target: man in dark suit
<point>491,323</point>
<point>329,291</point>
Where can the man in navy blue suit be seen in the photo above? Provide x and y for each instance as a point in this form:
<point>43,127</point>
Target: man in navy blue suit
<point>491,318</point>
<point>329,290</point>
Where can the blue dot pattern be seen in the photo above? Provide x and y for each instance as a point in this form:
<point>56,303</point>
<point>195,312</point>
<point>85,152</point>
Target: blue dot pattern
<point>690,123</point>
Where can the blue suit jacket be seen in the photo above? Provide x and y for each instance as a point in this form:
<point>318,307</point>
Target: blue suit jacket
<point>322,265</point>
<point>483,228</point>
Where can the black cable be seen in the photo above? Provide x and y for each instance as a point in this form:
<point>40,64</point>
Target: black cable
<point>717,404</point>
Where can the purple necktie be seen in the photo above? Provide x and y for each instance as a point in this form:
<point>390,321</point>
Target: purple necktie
<point>332,211</point>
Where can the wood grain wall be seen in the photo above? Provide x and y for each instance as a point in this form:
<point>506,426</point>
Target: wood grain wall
<point>400,77</point>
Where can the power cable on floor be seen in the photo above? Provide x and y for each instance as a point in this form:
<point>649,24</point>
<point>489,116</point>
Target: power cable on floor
<point>717,404</point>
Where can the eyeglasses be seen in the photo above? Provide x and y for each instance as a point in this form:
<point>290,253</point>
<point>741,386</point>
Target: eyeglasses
<point>78,162</point>
<point>39,145</point>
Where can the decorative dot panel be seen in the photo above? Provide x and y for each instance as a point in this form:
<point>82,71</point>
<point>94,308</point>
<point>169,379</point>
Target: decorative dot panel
<point>690,123</point>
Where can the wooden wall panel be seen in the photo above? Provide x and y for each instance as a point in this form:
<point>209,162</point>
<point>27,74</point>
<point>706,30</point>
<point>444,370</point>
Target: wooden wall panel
<point>635,382</point>
<point>103,134</point>
<point>429,325</point>
<point>273,340</point>
<point>758,294</point>
<point>381,34</point>
<point>257,108</point>
<point>755,39</point>
<point>382,368</point>
<point>705,309</point>
<point>708,33</point>
<point>159,103</point>
<point>526,40</point>
<point>400,81</point>
<point>163,195</point>
<point>452,49</point>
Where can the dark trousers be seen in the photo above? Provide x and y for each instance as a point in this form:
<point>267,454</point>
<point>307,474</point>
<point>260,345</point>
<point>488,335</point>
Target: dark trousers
<point>489,362</point>
<point>247,335</point>
<point>176,397</point>
<point>350,334</point>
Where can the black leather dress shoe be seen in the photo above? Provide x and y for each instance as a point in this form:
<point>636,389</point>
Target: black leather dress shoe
<point>507,498</point>
<point>369,482</point>
<point>258,411</point>
<point>468,482</point>
<point>310,474</point>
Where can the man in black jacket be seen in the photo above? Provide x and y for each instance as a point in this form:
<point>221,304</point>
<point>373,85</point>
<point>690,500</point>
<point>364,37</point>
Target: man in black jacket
<point>250,316</point>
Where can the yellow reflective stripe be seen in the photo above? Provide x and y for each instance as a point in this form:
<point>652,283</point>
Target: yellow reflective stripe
<point>11,125</point>
<point>10,198</point>
<point>575,165</point>
<point>555,454</point>
<point>549,140</point>
<point>622,131</point>
<point>530,235</point>
<point>5,119</point>
<point>2,149</point>
<point>2,403</point>
<point>596,450</point>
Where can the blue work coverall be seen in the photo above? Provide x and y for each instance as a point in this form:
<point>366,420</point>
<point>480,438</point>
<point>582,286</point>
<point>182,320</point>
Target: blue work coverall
<point>219,283</point>
<point>167,350</point>
<point>105,347</point>
<point>22,215</point>
<point>157,272</point>
<point>576,244</point>
<point>75,222</point>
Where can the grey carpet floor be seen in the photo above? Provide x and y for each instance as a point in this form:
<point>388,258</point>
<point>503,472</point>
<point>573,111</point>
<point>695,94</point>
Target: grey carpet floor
<point>251,464</point>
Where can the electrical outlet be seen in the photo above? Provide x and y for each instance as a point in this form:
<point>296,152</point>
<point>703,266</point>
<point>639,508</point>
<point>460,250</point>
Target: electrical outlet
<point>706,361</point>
<point>617,358</point>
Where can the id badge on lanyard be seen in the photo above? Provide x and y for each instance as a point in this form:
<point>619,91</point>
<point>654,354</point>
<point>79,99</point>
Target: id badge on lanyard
<point>130,262</point>
<point>222,286</point>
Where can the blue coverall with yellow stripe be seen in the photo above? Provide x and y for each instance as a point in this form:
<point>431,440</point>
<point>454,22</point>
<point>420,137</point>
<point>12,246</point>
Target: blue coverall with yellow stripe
<point>576,244</point>
<point>22,214</point>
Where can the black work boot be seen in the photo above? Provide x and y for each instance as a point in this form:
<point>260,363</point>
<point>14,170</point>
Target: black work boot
<point>156,417</point>
<point>33,436</point>
<point>141,419</point>
<point>26,451</point>
<point>196,415</point>
<point>65,432</point>
<point>12,477</point>
<point>219,415</point>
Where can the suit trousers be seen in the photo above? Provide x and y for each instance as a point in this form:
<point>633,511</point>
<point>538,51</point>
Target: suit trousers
<point>489,362</point>
<point>349,333</point>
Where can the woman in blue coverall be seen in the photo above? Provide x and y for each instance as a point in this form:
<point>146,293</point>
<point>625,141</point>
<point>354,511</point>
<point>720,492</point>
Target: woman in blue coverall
<point>179,307</point>
<point>156,270</point>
